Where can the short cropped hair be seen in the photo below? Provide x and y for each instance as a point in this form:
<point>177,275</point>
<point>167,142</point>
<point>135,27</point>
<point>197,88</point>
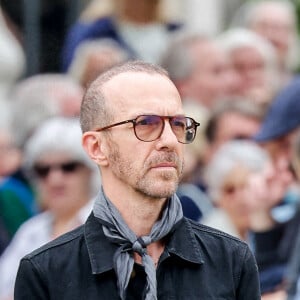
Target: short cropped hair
<point>94,109</point>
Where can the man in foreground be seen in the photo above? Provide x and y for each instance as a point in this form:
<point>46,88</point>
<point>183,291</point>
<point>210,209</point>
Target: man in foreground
<point>136,244</point>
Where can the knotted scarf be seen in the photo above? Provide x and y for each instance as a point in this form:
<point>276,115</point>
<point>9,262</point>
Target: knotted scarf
<point>115,229</point>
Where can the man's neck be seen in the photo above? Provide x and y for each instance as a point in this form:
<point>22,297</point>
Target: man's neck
<point>138,211</point>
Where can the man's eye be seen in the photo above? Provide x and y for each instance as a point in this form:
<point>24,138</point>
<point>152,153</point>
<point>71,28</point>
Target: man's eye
<point>145,122</point>
<point>179,123</point>
<point>150,121</point>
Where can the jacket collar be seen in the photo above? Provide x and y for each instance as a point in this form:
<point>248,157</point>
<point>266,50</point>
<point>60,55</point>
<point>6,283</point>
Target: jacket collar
<point>181,243</point>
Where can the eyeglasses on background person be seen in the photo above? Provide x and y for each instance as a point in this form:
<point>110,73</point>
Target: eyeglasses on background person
<point>58,142</point>
<point>148,128</point>
<point>42,171</point>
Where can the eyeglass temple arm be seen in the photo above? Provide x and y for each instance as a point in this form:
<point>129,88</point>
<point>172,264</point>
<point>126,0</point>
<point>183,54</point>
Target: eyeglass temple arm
<point>113,125</point>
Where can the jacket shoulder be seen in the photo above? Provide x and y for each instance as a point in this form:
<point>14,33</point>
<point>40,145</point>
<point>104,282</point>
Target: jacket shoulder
<point>213,233</point>
<point>64,239</point>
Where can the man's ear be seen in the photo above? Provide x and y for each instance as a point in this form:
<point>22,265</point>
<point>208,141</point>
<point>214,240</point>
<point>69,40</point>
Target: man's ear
<point>95,147</point>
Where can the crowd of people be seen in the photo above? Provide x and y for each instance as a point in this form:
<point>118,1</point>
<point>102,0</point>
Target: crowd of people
<point>241,173</point>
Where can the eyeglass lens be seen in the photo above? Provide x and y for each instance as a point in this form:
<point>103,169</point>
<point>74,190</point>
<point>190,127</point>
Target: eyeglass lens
<point>43,170</point>
<point>150,127</point>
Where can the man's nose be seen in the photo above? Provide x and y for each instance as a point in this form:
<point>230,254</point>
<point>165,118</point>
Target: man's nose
<point>168,137</point>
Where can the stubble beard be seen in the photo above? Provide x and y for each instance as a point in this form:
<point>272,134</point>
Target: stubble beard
<point>162,186</point>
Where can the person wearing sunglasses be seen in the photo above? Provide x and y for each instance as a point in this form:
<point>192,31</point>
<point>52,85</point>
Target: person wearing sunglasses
<point>64,181</point>
<point>136,244</point>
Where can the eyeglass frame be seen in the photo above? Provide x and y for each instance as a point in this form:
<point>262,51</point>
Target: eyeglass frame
<point>163,118</point>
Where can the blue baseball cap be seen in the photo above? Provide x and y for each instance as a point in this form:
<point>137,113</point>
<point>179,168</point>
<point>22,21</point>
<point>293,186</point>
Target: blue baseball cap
<point>283,115</point>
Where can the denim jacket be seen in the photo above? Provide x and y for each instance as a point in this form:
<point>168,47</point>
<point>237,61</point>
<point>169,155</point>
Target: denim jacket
<point>198,263</point>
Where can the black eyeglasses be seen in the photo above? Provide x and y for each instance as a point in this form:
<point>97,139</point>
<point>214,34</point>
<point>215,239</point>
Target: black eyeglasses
<point>43,170</point>
<point>148,128</point>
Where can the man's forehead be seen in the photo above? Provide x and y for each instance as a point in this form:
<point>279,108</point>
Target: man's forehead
<point>134,75</point>
<point>142,91</point>
<point>135,82</point>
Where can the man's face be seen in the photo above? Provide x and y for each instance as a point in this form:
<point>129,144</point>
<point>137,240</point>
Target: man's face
<point>152,168</point>
<point>281,148</point>
<point>62,191</point>
<point>233,125</point>
<point>265,188</point>
<point>209,80</point>
<point>276,25</point>
<point>250,67</point>
<point>235,198</point>
<point>280,151</point>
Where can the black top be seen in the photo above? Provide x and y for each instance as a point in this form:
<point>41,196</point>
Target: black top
<point>198,263</point>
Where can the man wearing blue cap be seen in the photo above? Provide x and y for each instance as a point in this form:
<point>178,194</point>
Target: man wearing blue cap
<point>282,122</point>
<point>279,130</point>
<point>277,134</point>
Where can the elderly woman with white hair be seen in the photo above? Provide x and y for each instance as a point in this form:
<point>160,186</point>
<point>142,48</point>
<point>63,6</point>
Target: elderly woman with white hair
<point>65,181</point>
<point>255,63</point>
<point>275,20</point>
<point>243,184</point>
<point>228,176</point>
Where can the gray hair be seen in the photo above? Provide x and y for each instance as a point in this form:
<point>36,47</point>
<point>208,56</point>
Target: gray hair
<point>94,108</point>
<point>36,99</point>
<point>245,17</point>
<point>236,38</point>
<point>241,37</point>
<point>246,14</point>
<point>177,58</point>
<point>230,155</point>
<point>57,134</point>
<point>98,46</point>
<point>63,135</point>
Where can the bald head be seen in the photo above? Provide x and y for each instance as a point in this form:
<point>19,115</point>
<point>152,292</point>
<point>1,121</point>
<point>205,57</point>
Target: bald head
<point>95,110</point>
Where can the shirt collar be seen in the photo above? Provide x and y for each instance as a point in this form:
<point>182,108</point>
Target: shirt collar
<point>100,249</point>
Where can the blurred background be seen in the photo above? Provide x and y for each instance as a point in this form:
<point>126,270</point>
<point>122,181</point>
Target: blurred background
<point>41,26</point>
<point>236,66</point>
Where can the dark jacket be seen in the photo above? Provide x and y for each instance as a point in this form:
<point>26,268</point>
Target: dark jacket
<point>198,263</point>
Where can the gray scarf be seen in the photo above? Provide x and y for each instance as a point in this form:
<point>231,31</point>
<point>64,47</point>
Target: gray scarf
<point>115,228</point>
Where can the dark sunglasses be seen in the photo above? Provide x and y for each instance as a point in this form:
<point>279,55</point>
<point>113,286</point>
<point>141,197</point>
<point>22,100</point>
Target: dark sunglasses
<point>148,128</point>
<point>232,188</point>
<point>43,170</point>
